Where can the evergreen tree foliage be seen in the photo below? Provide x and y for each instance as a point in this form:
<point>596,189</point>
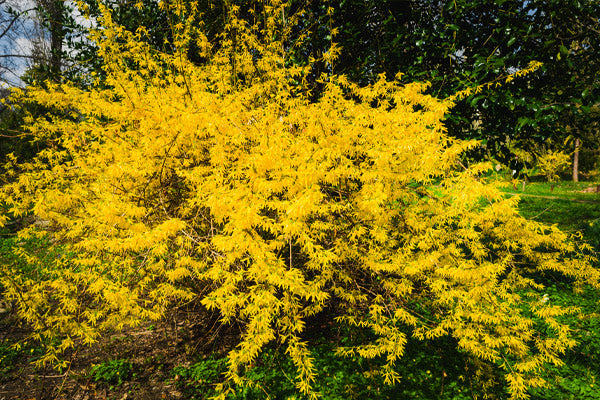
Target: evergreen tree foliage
<point>227,183</point>
<point>455,44</point>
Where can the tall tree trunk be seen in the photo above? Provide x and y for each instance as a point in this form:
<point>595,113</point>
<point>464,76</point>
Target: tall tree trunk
<point>576,161</point>
<point>54,14</point>
<point>56,36</point>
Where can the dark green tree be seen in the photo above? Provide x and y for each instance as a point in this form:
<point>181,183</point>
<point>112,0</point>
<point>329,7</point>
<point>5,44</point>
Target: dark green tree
<point>462,43</point>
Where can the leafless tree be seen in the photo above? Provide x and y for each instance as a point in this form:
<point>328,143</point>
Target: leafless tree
<point>32,33</point>
<point>16,34</point>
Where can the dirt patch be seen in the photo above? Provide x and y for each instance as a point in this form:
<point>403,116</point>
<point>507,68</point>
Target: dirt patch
<point>151,351</point>
<point>591,189</point>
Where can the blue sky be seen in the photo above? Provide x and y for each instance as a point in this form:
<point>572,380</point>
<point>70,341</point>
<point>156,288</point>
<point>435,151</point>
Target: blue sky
<point>17,40</point>
<point>24,39</point>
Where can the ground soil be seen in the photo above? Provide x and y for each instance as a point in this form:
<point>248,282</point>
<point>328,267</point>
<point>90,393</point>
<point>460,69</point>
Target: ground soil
<point>154,350</point>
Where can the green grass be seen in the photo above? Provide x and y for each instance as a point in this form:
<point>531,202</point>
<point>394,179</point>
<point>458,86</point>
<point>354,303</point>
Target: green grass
<point>565,190</point>
<point>430,371</point>
<point>572,211</point>
<point>13,355</point>
<point>566,206</point>
<point>579,378</point>
<point>8,355</point>
<point>113,371</point>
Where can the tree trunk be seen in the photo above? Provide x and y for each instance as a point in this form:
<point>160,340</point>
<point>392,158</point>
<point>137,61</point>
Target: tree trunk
<point>576,161</point>
<point>55,18</point>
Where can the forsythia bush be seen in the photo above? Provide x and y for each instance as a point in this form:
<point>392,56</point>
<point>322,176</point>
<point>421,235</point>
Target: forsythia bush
<point>223,182</point>
<point>552,163</point>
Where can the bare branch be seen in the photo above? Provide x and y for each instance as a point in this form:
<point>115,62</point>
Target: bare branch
<point>12,22</point>
<point>16,56</point>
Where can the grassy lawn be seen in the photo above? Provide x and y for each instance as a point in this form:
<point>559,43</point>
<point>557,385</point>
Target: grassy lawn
<point>567,205</point>
<point>571,210</point>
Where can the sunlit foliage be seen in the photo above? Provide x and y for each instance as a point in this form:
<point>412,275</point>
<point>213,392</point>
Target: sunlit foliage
<point>223,183</point>
<point>552,163</point>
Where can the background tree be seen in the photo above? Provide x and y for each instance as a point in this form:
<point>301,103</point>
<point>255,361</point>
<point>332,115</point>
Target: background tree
<point>15,36</point>
<point>53,14</point>
<point>47,42</point>
<point>457,44</point>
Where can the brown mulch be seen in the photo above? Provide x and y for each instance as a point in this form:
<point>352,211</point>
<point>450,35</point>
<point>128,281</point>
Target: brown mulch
<point>153,350</point>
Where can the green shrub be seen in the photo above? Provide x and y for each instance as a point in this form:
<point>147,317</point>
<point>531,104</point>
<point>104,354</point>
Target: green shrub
<point>114,371</point>
<point>426,374</point>
<point>8,354</point>
<point>593,233</point>
<point>200,378</point>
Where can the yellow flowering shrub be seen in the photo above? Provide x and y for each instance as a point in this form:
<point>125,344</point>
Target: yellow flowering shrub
<point>223,182</point>
<point>552,163</point>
